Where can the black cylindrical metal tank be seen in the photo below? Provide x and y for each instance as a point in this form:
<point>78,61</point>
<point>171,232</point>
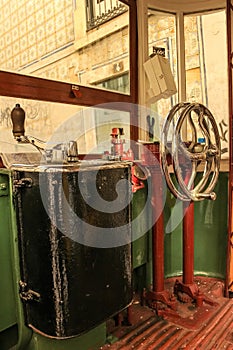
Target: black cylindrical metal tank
<point>75,244</point>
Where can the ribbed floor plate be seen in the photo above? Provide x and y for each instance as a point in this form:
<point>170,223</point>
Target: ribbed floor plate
<point>208,327</point>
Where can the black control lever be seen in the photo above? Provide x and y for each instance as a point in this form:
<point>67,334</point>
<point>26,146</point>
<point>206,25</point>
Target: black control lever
<point>69,151</point>
<point>18,118</point>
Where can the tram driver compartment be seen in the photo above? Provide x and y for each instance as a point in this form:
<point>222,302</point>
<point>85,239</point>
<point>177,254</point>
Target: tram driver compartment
<point>126,244</point>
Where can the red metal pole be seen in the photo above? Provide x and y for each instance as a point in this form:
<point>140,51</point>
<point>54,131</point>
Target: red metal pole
<point>188,243</point>
<point>157,294</point>
<point>158,229</point>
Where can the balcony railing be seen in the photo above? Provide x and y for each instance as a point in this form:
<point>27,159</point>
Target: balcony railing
<point>101,11</point>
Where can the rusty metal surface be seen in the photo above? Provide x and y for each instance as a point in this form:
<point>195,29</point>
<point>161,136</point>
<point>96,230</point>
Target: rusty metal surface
<point>205,328</point>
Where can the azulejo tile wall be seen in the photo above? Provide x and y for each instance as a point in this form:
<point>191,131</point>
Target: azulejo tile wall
<point>32,29</point>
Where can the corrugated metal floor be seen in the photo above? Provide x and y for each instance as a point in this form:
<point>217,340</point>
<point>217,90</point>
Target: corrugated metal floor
<point>207,327</point>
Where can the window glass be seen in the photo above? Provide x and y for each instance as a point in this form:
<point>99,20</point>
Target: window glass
<point>55,123</point>
<point>77,41</point>
<point>120,83</point>
<point>162,37</point>
<point>206,66</point>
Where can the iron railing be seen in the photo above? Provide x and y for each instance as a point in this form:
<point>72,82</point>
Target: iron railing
<point>101,11</point>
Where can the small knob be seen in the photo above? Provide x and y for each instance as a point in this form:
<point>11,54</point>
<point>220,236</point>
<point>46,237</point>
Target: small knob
<point>18,118</point>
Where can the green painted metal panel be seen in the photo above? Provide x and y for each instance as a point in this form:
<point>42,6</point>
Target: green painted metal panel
<point>173,237</point>
<point>8,338</point>
<point>210,234</point>
<point>142,253</point>
<point>140,245</point>
<point>7,301</point>
<point>211,227</point>
<point>92,340</point>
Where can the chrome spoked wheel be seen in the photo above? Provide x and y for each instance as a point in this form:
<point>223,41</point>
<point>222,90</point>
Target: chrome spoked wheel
<point>196,152</point>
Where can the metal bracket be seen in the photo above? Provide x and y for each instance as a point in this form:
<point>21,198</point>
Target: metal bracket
<point>27,294</point>
<point>3,189</point>
<point>24,182</point>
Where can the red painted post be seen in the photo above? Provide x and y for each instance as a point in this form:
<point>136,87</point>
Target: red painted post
<point>157,294</point>
<point>188,243</point>
<point>158,229</point>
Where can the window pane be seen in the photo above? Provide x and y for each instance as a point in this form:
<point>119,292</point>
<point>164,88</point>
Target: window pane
<point>206,66</point>
<point>162,35</point>
<point>120,83</point>
<point>81,42</point>
<point>56,123</point>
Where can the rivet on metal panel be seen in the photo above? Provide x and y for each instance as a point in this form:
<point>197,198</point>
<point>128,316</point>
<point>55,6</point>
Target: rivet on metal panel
<point>24,182</point>
<point>3,189</point>
<point>3,186</point>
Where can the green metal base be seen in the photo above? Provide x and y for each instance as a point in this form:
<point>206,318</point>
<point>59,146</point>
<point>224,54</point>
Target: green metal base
<point>92,340</point>
<point>210,234</point>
